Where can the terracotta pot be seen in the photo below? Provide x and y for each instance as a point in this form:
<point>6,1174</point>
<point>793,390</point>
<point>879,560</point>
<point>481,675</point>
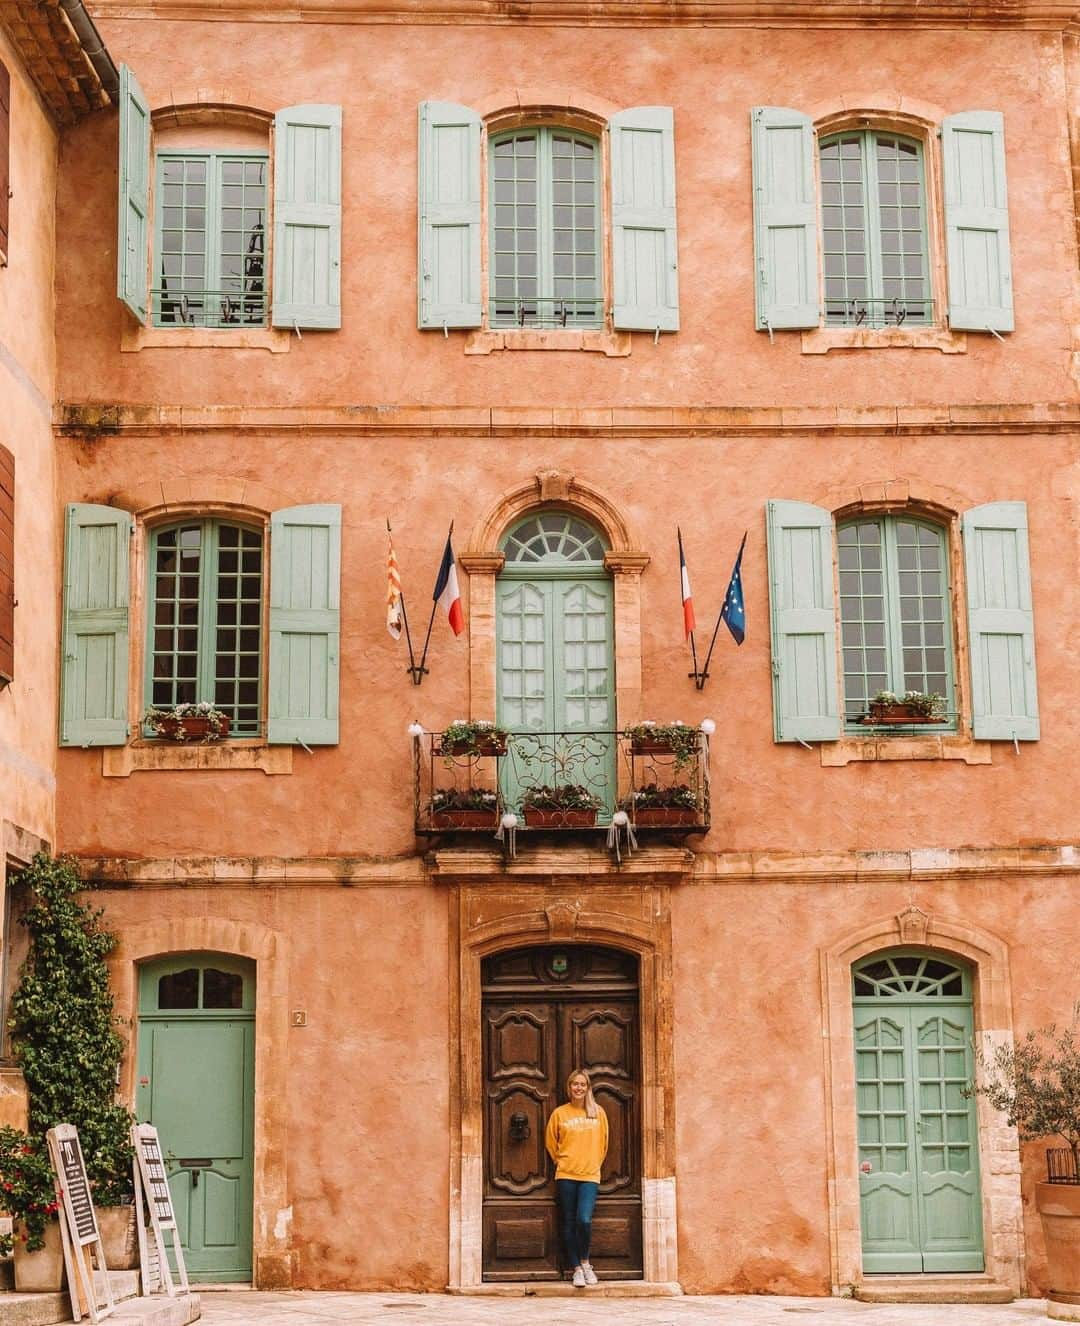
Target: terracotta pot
<point>884,714</point>
<point>464,819</point>
<point>659,817</point>
<point>646,746</point>
<point>490,747</point>
<point>538,817</point>
<point>1058,1205</point>
<point>39,1272</point>
<point>117,1225</point>
<point>192,729</point>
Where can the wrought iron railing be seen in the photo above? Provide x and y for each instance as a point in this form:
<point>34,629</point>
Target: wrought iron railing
<point>893,312</point>
<point>559,781</point>
<point>547,313</point>
<point>210,308</point>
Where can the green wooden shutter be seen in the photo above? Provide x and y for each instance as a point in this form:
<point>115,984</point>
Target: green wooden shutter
<point>977,221</point>
<point>805,698</point>
<point>1001,632</point>
<point>448,290</point>
<point>785,219</point>
<point>305,598</point>
<point>133,209</point>
<point>307,217</point>
<point>644,256</point>
<point>94,669</point>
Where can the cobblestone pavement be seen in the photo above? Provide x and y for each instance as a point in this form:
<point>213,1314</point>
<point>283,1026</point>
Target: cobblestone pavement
<point>324,1309</point>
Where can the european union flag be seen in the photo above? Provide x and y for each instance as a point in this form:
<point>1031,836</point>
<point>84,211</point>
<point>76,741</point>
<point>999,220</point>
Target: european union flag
<point>734,610</point>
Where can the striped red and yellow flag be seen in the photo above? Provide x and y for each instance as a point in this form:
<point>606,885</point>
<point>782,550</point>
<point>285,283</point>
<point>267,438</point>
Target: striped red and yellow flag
<point>393,589</point>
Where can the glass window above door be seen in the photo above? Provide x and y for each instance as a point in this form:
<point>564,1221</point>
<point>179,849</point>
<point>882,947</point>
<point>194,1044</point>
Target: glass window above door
<point>553,536</point>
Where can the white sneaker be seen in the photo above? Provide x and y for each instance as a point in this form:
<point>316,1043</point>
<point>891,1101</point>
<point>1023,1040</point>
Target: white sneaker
<point>590,1274</point>
<point>579,1278</point>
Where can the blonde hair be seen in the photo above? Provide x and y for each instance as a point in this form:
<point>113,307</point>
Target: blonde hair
<point>591,1107</point>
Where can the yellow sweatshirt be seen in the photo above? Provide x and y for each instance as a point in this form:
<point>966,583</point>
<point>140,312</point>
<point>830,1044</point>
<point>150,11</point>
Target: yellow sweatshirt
<point>576,1143</point>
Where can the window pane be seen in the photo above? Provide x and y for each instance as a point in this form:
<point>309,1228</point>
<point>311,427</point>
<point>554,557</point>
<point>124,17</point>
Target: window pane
<point>222,989</point>
<point>175,598</point>
<point>179,990</point>
<point>239,653</point>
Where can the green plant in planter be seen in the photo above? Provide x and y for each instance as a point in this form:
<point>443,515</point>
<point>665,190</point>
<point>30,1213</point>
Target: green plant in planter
<point>26,1188</point>
<point>64,1029</point>
<point>678,796</point>
<point>567,796</point>
<point>463,798</point>
<point>468,736</point>
<point>1036,1083</point>
<point>928,704</point>
<point>683,741</point>
<point>171,723</point>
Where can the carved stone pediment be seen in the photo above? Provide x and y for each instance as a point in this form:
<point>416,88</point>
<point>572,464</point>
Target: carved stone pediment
<point>913,924</point>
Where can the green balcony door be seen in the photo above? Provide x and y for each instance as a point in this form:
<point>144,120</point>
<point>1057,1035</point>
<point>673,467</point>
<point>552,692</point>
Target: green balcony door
<point>196,1086</point>
<point>555,652</point>
<point>920,1199</point>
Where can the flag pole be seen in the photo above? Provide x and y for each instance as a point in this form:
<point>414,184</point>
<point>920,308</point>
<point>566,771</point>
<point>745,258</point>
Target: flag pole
<point>693,644</point>
<point>419,672</point>
<point>716,628</point>
<point>411,669</point>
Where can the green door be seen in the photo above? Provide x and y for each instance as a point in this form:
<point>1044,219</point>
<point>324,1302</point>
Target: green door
<point>918,1150</point>
<point>196,1086</point>
<point>556,673</point>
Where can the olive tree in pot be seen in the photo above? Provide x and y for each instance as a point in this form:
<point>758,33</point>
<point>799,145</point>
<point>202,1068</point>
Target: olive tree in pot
<point>1036,1084</point>
<point>65,1038</point>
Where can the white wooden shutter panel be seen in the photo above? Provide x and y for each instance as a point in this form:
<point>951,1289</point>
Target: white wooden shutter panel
<point>448,209</point>
<point>785,219</point>
<point>977,222</point>
<point>133,206</point>
<point>305,626</point>
<point>94,667</point>
<point>644,255</point>
<point>307,217</point>
<point>803,622</point>
<point>1001,630</point>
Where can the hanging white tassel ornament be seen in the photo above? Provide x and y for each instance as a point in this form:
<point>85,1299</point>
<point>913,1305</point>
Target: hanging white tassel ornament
<point>415,729</point>
<point>708,727</point>
<point>507,833</point>
<point>620,823</point>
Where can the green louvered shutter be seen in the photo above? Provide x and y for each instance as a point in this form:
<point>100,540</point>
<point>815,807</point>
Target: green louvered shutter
<point>785,219</point>
<point>449,216</point>
<point>305,626</point>
<point>133,208</point>
<point>307,217</point>
<point>977,222</point>
<point>1001,631</point>
<point>805,694</point>
<point>644,252</point>
<point>94,668</point>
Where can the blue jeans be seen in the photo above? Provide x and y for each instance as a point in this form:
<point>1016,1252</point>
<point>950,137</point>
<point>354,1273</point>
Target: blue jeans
<point>576,1199</point>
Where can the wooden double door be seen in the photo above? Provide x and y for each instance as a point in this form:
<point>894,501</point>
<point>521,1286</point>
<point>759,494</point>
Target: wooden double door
<point>546,1012</point>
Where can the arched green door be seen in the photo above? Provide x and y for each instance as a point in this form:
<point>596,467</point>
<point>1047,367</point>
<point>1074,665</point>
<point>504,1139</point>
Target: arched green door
<point>196,1086</point>
<point>556,664</point>
<point>920,1199</point>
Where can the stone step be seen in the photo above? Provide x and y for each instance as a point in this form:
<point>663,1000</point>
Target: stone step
<point>46,1309</point>
<point>941,1288</point>
<point>564,1289</point>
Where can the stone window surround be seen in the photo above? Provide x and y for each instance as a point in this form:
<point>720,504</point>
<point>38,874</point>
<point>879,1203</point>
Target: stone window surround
<point>999,1150</point>
<point>920,120</point>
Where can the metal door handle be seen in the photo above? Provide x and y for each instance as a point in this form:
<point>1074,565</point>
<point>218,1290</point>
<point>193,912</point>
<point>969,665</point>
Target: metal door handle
<point>519,1127</point>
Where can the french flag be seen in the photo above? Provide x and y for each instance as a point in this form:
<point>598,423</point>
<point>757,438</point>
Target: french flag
<point>687,597</point>
<point>447,595</point>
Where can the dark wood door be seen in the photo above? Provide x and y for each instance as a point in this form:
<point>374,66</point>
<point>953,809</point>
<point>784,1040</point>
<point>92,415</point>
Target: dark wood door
<point>548,1011</point>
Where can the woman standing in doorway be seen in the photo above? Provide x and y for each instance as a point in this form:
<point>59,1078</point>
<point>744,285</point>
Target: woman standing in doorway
<point>577,1141</point>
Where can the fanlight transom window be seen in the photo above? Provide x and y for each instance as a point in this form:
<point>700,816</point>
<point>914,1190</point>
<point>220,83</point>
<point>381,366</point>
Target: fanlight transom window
<point>905,975</point>
<point>553,536</point>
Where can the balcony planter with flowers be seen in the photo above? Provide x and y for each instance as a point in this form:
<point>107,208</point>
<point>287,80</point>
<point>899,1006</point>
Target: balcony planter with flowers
<point>188,722</point>
<point>465,808</point>
<point>912,707</point>
<point>654,807</point>
<point>675,738</point>
<point>473,736</point>
<point>568,806</point>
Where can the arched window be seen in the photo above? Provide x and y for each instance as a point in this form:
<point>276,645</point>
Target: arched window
<point>908,975</point>
<point>896,628</point>
<point>874,238</point>
<point>205,619</point>
<point>545,229</point>
<point>553,536</point>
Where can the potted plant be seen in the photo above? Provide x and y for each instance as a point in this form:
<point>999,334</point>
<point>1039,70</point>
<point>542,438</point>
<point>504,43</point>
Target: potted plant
<point>1036,1084</point>
<point>675,738</point>
<point>568,806</point>
<point>912,707</point>
<point>652,806</point>
<point>464,808</point>
<point>473,736</point>
<point>28,1195</point>
<point>188,722</point>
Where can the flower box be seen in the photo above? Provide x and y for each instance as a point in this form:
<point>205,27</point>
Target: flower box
<point>882,715</point>
<point>664,817</point>
<point>554,817</point>
<point>193,729</point>
<point>485,746</point>
<point>650,746</point>
<point>464,819</point>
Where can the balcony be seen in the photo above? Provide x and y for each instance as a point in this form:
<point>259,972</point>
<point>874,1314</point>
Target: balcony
<point>584,783</point>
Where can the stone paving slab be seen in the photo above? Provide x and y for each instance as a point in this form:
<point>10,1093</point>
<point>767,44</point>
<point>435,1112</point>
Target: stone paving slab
<point>307,1308</point>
